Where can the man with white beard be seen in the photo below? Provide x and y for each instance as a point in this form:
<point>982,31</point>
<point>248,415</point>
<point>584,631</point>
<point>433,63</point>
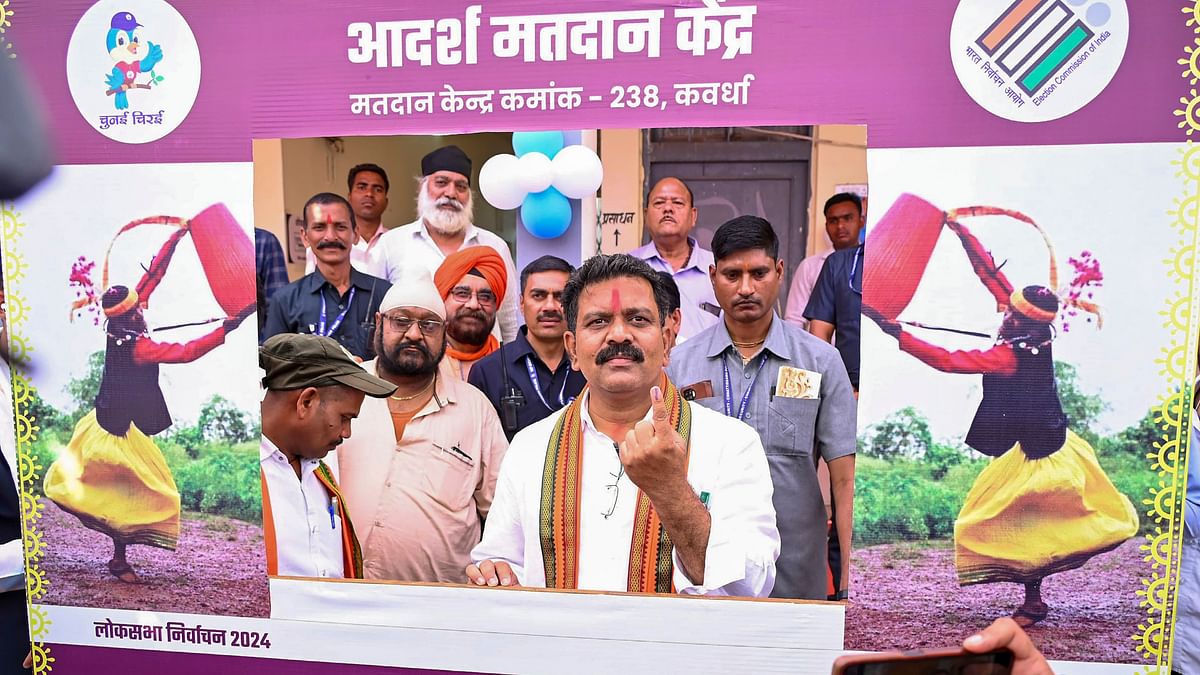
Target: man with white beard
<point>445,209</point>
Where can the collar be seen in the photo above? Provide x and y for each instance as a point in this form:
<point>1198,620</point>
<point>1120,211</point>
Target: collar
<point>719,341</point>
<point>585,414</point>
<point>364,282</point>
<point>469,234</point>
<point>266,448</point>
<point>444,389</point>
<point>519,348</point>
<point>700,259</point>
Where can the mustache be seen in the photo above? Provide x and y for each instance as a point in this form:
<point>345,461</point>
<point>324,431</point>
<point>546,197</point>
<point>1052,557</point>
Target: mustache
<point>545,316</point>
<point>419,346</point>
<point>465,313</point>
<point>449,201</point>
<point>331,244</point>
<point>620,350</point>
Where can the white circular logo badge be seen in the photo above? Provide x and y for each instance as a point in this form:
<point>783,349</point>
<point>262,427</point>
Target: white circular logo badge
<point>133,68</point>
<point>1037,60</point>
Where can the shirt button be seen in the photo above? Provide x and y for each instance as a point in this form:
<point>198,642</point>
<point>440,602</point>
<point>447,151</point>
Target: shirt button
<point>314,529</point>
<point>341,306</point>
<point>747,376</point>
<point>378,524</point>
<point>388,484</point>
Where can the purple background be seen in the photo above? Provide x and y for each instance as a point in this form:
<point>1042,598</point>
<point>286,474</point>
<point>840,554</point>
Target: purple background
<point>100,660</point>
<point>279,69</point>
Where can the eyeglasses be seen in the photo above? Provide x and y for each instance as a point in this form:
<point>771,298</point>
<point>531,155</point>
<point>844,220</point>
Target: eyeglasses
<point>402,323</point>
<point>615,487</point>
<point>463,294</point>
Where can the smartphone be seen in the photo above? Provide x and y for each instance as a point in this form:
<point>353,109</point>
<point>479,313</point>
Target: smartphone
<point>926,662</point>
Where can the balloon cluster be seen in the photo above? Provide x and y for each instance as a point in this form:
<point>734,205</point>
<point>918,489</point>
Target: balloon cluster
<point>541,178</point>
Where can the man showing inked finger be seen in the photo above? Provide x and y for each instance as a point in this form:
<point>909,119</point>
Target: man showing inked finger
<point>630,487</point>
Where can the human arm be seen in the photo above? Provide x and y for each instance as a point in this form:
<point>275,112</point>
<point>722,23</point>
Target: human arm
<point>743,540</point>
<point>822,329</point>
<point>800,292</point>
<point>494,445</point>
<point>146,351</point>
<point>841,484</point>
<point>1004,633</point>
<point>158,267</point>
<point>983,264</point>
<point>821,310</point>
<point>271,264</point>
<point>999,359</point>
<point>277,317</point>
<point>655,460</point>
<point>500,556</point>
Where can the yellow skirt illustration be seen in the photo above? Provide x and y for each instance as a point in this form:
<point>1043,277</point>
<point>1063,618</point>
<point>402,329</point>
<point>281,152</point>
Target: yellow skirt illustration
<point>1027,518</point>
<point>120,486</point>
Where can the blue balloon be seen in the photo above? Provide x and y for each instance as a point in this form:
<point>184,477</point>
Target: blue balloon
<point>546,142</point>
<point>546,214</point>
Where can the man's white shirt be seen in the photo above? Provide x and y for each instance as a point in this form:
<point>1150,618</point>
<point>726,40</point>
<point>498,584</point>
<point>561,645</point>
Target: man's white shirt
<point>727,462</point>
<point>308,531</point>
<point>410,247</point>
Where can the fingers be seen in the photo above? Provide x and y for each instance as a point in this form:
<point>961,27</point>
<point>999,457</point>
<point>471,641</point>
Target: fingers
<point>1004,633</point>
<point>659,406</point>
<point>492,573</point>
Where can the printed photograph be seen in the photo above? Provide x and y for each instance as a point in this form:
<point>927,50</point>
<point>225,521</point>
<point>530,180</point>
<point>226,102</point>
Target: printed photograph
<point>142,314</point>
<point>441,264</point>
<point>1009,355</point>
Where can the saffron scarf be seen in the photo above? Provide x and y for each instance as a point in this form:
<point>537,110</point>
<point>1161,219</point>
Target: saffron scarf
<point>352,559</point>
<point>488,347</point>
<point>650,554</point>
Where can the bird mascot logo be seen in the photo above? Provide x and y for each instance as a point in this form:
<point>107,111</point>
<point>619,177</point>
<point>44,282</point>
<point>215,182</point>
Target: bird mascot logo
<point>133,56</point>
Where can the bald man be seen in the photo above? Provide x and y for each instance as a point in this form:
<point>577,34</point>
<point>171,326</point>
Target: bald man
<point>670,217</point>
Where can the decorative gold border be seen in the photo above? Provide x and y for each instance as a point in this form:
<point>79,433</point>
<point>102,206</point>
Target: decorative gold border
<point>17,315</point>
<point>1177,364</point>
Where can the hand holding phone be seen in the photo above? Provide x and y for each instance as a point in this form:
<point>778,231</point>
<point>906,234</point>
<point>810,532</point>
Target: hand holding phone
<point>1001,648</point>
<point>953,661</point>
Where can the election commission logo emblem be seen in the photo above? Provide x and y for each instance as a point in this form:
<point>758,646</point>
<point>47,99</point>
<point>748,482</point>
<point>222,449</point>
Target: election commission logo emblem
<point>1037,60</point>
<point>133,68</point>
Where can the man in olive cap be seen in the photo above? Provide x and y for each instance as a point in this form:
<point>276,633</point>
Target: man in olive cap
<point>444,225</point>
<point>314,389</point>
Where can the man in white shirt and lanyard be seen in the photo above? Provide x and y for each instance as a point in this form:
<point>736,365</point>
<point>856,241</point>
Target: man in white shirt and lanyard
<point>630,487</point>
<point>368,196</point>
<point>314,390</point>
<point>445,211</point>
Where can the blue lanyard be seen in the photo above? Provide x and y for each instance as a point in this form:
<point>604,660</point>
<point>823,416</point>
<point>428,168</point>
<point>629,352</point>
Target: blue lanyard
<point>745,397</point>
<point>537,386</point>
<point>336,322</point>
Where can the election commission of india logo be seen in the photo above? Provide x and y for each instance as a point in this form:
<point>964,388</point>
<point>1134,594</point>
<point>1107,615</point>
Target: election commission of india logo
<point>133,68</point>
<point>1037,60</point>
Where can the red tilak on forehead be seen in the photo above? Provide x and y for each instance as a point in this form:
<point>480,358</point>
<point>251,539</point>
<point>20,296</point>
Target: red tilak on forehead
<point>616,302</point>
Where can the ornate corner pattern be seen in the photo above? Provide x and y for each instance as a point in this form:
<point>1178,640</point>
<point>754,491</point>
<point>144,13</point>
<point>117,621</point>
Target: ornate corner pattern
<point>30,472</point>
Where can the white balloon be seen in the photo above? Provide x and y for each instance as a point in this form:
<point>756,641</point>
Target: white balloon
<point>498,182</point>
<point>535,172</point>
<point>578,171</point>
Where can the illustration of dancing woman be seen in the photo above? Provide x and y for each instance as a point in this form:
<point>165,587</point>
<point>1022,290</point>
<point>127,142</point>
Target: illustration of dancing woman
<point>1044,505</point>
<point>111,475</point>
